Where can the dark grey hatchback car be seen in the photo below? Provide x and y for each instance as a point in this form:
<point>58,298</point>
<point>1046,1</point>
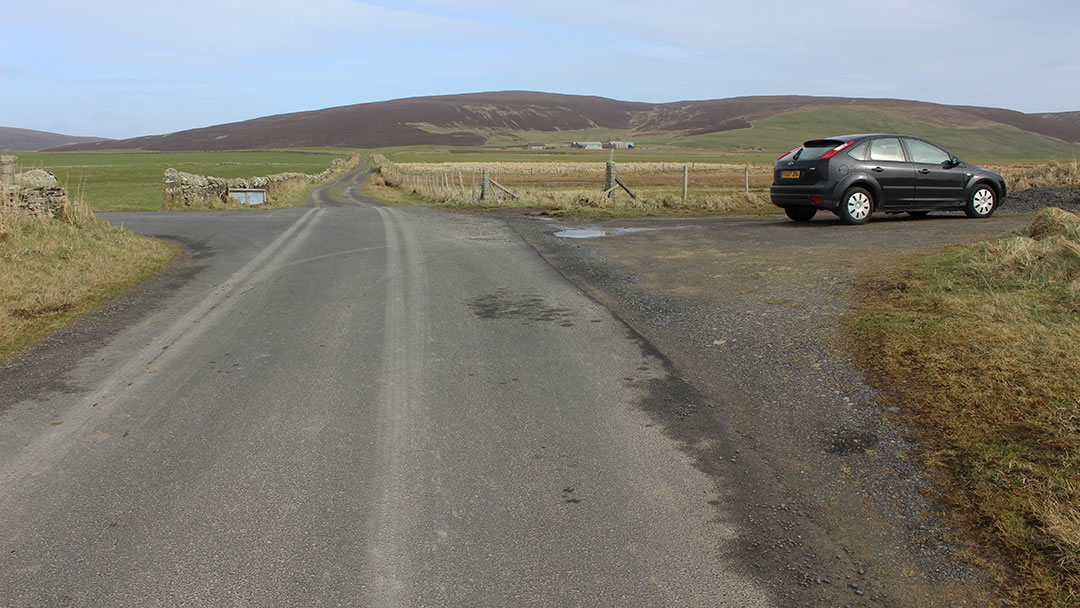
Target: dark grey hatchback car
<point>855,175</point>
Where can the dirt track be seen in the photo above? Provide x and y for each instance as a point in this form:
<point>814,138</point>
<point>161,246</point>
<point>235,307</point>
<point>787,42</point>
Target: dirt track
<point>747,310</point>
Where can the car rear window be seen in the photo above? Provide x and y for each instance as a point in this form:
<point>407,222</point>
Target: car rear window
<point>813,150</point>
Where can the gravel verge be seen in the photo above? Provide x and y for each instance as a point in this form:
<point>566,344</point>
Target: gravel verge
<point>820,470</point>
<point>1034,199</point>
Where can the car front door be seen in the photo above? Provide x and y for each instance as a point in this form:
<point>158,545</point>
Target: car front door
<point>896,176</point>
<point>938,183</point>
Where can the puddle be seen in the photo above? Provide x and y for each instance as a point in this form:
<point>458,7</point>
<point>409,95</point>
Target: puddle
<point>593,233</point>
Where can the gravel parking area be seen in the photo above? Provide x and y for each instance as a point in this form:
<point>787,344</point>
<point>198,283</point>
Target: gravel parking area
<point>835,507</point>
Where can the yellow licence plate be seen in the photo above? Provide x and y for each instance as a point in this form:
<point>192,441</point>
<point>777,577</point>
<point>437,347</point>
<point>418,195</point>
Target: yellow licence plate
<point>789,175</point>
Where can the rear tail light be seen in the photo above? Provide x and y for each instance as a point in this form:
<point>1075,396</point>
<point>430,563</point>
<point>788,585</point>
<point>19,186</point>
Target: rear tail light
<point>815,199</point>
<point>837,149</point>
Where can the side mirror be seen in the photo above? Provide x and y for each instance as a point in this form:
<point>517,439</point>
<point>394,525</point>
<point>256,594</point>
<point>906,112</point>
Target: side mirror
<point>949,164</point>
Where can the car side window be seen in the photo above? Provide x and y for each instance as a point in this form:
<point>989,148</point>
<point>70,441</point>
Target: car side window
<point>859,152</point>
<point>887,149</point>
<point>922,152</point>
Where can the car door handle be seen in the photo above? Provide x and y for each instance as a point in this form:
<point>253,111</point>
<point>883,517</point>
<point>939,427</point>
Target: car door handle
<point>877,169</point>
<point>924,171</point>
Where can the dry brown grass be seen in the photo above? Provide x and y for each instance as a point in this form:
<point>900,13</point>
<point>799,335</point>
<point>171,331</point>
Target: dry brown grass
<point>571,188</point>
<point>981,344</point>
<point>560,175</point>
<point>1022,176</point>
<point>57,269</point>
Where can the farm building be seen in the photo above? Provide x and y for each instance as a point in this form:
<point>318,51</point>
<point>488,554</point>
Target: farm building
<point>620,145</point>
<point>588,145</point>
<point>536,146</point>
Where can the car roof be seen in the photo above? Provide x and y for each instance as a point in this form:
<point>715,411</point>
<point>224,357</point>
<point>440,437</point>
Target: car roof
<point>859,136</point>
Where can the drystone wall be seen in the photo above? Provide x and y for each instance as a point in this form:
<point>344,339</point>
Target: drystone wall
<point>36,192</point>
<point>180,190</point>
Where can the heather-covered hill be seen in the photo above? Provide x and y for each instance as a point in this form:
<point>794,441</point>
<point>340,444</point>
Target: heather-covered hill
<point>471,119</point>
<point>27,140</point>
<point>1072,118</point>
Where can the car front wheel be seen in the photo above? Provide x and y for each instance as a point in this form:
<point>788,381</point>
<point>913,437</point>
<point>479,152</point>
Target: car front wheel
<point>856,206</point>
<point>800,214</point>
<point>981,202</point>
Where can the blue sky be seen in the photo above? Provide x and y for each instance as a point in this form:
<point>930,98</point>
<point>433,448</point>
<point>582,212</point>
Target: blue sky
<point>120,68</point>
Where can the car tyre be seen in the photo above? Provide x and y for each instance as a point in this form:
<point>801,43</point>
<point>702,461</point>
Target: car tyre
<point>856,206</point>
<point>981,202</point>
<point>800,214</point>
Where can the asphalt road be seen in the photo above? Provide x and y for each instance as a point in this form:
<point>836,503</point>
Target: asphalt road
<point>357,405</point>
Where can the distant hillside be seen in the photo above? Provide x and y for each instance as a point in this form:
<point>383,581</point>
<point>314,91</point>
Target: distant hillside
<point>1072,118</point>
<point>511,117</point>
<point>27,140</point>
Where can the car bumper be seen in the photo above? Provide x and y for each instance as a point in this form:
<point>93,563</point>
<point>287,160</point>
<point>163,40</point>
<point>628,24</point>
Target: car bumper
<point>818,197</point>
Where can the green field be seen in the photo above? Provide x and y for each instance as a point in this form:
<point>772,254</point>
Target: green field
<point>784,132</point>
<point>131,181</point>
<point>766,140</point>
<point>444,154</point>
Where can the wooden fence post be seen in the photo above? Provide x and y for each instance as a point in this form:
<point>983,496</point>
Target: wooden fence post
<point>685,180</point>
<point>484,185</point>
<point>748,179</point>
<point>609,177</point>
<point>8,165</point>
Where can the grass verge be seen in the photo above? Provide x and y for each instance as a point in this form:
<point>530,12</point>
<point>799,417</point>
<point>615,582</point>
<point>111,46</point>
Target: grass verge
<point>417,187</point>
<point>980,346</point>
<point>1041,175</point>
<point>56,270</point>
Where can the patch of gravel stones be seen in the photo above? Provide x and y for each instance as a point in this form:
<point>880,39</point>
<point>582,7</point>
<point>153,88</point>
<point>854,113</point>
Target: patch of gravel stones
<point>1035,199</point>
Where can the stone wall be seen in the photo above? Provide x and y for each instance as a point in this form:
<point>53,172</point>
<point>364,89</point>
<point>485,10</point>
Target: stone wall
<point>181,189</point>
<point>36,192</point>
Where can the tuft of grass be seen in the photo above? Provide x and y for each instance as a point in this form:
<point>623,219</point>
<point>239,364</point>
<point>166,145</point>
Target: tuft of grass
<point>980,343</point>
<point>57,269</point>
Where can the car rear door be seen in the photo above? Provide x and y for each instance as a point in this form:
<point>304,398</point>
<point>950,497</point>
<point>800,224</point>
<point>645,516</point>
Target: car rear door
<point>938,183</point>
<point>890,167</point>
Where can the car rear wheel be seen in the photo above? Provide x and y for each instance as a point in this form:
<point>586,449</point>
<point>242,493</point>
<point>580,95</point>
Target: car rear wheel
<point>800,214</point>
<point>856,206</point>
<point>981,202</point>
